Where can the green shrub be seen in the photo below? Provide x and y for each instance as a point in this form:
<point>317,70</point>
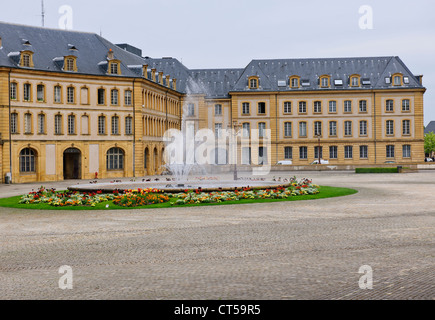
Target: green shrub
<point>376,170</point>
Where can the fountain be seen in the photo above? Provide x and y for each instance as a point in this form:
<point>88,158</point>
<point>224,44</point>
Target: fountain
<point>181,161</point>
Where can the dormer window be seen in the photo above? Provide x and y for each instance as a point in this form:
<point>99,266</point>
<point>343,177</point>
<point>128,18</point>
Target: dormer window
<point>324,81</point>
<point>70,64</point>
<point>355,81</point>
<point>114,67</point>
<point>253,83</point>
<point>294,82</point>
<point>26,59</point>
<point>397,79</point>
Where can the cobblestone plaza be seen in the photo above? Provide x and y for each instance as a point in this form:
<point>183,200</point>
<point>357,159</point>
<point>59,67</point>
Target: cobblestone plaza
<point>286,250</point>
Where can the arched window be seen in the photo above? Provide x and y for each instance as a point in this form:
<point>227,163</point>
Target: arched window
<point>115,159</point>
<point>27,160</point>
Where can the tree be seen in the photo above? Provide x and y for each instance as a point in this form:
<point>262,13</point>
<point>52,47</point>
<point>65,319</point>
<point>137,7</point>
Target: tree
<point>429,143</point>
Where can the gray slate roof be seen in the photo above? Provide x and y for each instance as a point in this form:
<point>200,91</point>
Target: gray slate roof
<point>49,44</point>
<point>430,127</point>
<point>373,68</point>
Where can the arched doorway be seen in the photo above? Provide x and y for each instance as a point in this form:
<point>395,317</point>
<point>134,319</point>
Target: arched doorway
<point>72,164</point>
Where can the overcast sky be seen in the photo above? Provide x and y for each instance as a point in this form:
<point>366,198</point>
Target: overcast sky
<point>230,33</point>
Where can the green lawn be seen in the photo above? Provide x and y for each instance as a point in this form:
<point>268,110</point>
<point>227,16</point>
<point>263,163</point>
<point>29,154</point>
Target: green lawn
<point>325,192</point>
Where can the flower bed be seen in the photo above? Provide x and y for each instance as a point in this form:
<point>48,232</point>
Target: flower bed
<point>304,187</point>
<point>62,199</point>
<point>146,197</point>
<point>140,197</point>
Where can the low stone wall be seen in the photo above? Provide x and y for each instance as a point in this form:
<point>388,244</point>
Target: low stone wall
<point>222,169</point>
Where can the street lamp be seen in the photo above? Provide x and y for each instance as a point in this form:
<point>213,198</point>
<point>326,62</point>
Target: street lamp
<point>318,150</point>
<point>236,127</point>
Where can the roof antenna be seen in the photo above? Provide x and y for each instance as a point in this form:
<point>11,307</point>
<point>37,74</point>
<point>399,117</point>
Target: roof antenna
<point>42,13</point>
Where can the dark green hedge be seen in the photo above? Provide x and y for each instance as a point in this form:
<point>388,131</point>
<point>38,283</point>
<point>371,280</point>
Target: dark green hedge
<point>376,170</point>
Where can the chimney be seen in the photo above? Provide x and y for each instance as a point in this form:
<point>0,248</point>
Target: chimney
<point>145,71</point>
<point>174,84</point>
<point>167,80</point>
<point>161,77</point>
<point>110,55</point>
<point>153,74</point>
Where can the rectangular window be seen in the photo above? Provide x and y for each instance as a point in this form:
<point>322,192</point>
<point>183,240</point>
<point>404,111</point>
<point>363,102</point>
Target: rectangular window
<point>27,123</point>
<point>333,152</point>
<point>348,106</point>
<point>27,91</point>
<point>332,106</point>
<point>348,152</point>
<point>85,124</point>
<point>101,125</point>
<point>317,106</point>
<point>287,107</point>
<point>40,93</point>
<point>190,109</point>
<point>390,151</point>
<point>363,152</point>
<point>363,106</point>
<point>127,98</point>
<point>114,97</point>
<point>333,128</point>
<point>302,129</point>
<point>389,127</point>
<point>261,108</point>
<point>71,124</point>
<point>324,82</point>
<point>316,152</point>
<point>246,155</point>
<point>113,68</point>
<point>128,125</point>
<point>406,151</point>
<point>101,96</point>
<point>26,60</point>
<point>84,96</point>
<point>348,128</point>
<point>69,64</point>
<point>295,83</point>
<point>58,124</point>
<point>13,91</point>
<point>317,128</point>
<point>218,130</point>
<point>261,129</point>
<point>406,127</point>
<point>303,153</point>
<point>246,130</point>
<point>245,108</point>
<point>41,123</point>
<point>14,122</point>
<point>405,105</point>
<point>287,129</point>
<point>262,155</point>
<point>363,128</point>
<point>115,125</point>
<point>389,105</point>
<point>70,95</point>
<point>302,107</point>
<point>288,153</point>
<point>57,94</point>
<point>218,110</point>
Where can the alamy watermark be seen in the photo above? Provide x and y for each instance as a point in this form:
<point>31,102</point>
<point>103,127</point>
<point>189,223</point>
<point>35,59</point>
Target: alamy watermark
<point>366,280</point>
<point>66,280</point>
<point>66,18</point>
<point>225,146</point>
<point>366,20</point>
